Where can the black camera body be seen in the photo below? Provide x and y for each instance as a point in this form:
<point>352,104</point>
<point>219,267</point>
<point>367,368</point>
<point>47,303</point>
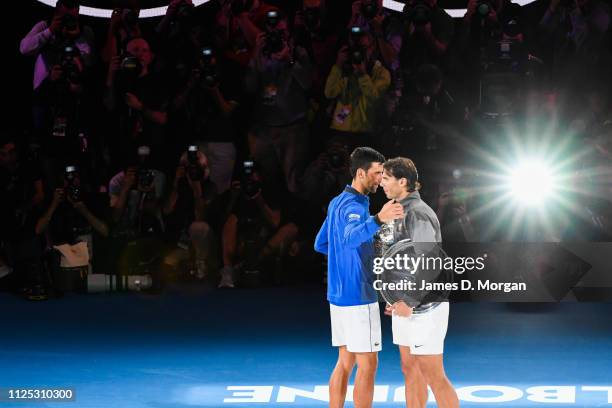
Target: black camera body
<point>129,71</point>
<point>249,186</point>
<point>418,14</point>
<point>194,170</point>
<point>207,69</point>
<point>274,41</point>
<point>70,71</point>
<point>145,178</point>
<point>73,191</point>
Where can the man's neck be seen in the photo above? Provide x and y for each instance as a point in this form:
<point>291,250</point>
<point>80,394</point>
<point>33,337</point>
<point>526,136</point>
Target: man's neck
<point>403,195</point>
<point>360,189</point>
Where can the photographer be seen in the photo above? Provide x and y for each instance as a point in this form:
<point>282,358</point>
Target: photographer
<point>315,31</point>
<point>425,115</point>
<point>186,211</point>
<point>357,81</point>
<point>487,22</point>
<point>123,27</point>
<point>137,98</point>
<point>279,75</point>
<point>62,114</point>
<point>574,33</point>
<point>427,36</point>
<point>237,25</point>
<point>74,214</point>
<point>135,197</point>
<point>48,37</point>
<point>370,16</point>
<point>256,229</point>
<point>204,110</point>
<point>326,175</point>
<point>22,193</point>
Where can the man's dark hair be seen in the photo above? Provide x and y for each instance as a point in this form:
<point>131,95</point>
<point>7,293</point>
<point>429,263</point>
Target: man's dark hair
<point>401,167</point>
<point>363,157</point>
<point>69,4</point>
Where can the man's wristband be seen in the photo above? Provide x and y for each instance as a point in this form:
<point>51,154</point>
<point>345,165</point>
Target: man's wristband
<point>378,221</point>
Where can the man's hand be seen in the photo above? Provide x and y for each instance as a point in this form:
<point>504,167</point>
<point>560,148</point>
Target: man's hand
<point>377,23</point>
<point>129,180</point>
<point>260,43</point>
<point>471,9</point>
<point>77,205</point>
<point>389,310</point>
<point>114,65</point>
<point>56,25</point>
<point>56,73</point>
<point>391,211</point>
<point>133,102</point>
<point>360,69</point>
<point>180,173</point>
<point>58,197</point>
<point>284,54</point>
<point>356,8</point>
<point>342,56</point>
<point>401,309</point>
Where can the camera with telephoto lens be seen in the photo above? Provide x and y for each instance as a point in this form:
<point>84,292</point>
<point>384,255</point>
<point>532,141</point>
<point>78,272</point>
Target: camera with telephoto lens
<point>145,178</point>
<point>250,187</point>
<point>130,65</point>
<point>207,69</point>
<point>130,69</point>
<point>369,9</point>
<point>356,54</point>
<point>273,38</point>
<point>70,22</point>
<point>70,70</point>
<point>418,13</point>
<point>73,191</point>
<point>194,170</point>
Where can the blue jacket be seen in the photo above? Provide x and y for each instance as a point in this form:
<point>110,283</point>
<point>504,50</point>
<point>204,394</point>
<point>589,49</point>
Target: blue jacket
<point>346,237</point>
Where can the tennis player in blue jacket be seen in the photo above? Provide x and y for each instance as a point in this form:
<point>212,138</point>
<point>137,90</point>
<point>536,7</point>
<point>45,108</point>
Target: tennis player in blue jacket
<point>346,237</point>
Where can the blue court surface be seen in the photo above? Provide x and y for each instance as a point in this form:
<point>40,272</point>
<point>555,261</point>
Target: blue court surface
<point>199,347</point>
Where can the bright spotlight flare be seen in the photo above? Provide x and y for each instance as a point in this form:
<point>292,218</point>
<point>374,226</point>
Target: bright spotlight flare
<point>531,182</point>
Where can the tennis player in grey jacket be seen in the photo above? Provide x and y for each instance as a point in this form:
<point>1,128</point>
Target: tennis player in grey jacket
<point>418,330</point>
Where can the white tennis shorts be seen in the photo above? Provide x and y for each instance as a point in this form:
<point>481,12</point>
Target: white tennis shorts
<point>423,333</point>
<point>356,327</point>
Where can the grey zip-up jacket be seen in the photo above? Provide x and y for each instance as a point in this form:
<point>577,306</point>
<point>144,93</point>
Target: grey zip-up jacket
<point>420,224</point>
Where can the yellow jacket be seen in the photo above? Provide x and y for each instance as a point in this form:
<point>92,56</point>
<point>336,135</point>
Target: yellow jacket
<point>357,97</point>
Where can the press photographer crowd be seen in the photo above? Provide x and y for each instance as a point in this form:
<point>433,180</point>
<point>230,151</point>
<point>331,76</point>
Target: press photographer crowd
<point>204,146</point>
